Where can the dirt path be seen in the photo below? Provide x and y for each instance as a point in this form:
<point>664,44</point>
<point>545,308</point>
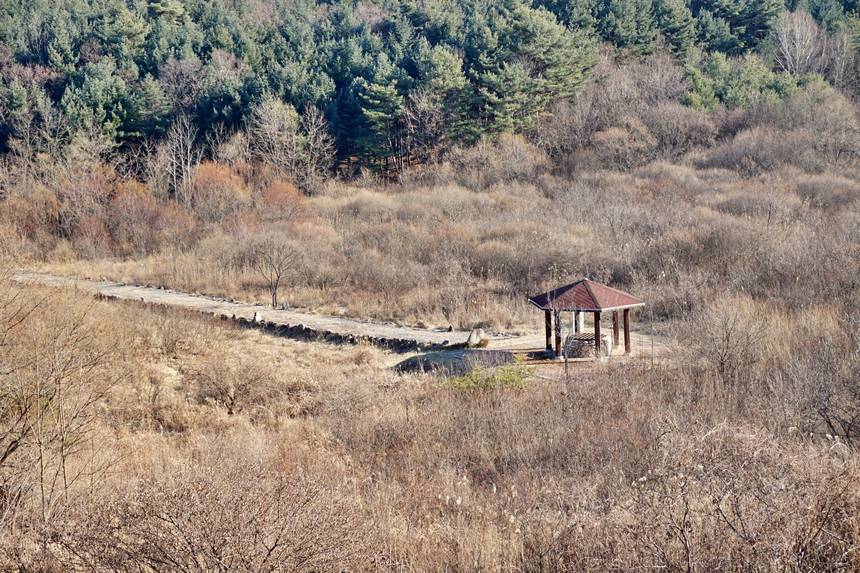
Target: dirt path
<point>387,334</point>
<point>312,325</point>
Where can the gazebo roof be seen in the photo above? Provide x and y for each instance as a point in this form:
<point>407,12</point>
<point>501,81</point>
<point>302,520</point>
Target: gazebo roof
<point>585,295</point>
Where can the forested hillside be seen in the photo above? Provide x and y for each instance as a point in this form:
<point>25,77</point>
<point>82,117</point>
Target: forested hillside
<point>378,83</point>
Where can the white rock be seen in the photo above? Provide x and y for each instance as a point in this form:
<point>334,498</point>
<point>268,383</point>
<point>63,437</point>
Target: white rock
<point>476,338</point>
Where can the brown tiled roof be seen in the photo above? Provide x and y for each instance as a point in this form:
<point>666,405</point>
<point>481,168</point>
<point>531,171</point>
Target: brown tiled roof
<point>585,295</point>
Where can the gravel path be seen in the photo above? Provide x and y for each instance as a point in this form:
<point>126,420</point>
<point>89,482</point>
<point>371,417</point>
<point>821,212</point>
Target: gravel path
<point>314,324</point>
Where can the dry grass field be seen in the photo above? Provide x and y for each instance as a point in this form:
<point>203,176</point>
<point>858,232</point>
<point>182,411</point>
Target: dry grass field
<point>185,443</point>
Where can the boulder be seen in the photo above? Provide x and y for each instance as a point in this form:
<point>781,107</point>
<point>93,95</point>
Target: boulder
<point>455,362</point>
<point>477,339</point>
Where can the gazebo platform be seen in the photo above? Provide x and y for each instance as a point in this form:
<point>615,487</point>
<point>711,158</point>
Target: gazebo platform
<point>586,297</point>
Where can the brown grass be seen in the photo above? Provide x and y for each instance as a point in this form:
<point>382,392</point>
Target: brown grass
<point>224,439</point>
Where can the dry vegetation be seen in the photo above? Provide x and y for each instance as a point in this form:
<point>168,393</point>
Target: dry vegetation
<point>139,441</point>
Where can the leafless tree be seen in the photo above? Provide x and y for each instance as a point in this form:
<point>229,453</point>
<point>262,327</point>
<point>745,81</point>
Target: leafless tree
<point>176,158</point>
<point>83,177</point>
<point>40,129</point>
<point>424,119</point>
<point>273,257</point>
<point>181,81</point>
<point>800,44</point>
<point>273,130</point>
<point>840,58</point>
<point>318,143</point>
<point>299,148</point>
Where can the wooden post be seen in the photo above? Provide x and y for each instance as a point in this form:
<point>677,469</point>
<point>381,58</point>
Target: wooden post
<point>597,333</point>
<point>616,336</point>
<point>627,348</point>
<point>558,350</point>
<point>547,319</point>
<point>578,321</point>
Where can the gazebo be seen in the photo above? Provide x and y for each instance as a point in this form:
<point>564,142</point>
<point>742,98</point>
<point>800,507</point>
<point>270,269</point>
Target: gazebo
<point>586,296</point>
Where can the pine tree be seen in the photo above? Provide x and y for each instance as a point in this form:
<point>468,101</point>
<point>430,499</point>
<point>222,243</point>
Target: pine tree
<point>715,34</point>
<point>149,110</point>
<point>581,15</point>
<point>382,110</point>
<point>60,54</point>
<point>578,14</point>
<point>829,13</point>
<point>436,108</point>
<point>97,97</point>
<point>732,26</point>
<point>628,24</point>
<point>525,59</point>
<point>123,33</point>
<point>677,25</point>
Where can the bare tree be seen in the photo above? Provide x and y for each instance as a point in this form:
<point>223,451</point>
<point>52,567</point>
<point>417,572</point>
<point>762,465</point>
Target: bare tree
<point>182,81</point>
<point>273,257</point>
<point>299,148</point>
<point>318,143</point>
<point>840,57</point>
<point>800,44</point>
<point>273,130</point>
<point>425,122</point>
<point>176,158</point>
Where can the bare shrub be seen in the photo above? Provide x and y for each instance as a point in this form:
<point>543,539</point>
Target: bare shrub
<point>828,118</point>
<point>238,386</point>
<point>618,97</point>
<point>728,336</point>
<point>828,192</point>
<point>281,201</point>
<point>91,238</point>
<point>215,191</point>
<point>760,150</point>
<point>510,158</point>
<point>814,128</point>
<point>177,228</point>
<point>822,373</point>
<point>267,520</point>
<point>624,146</point>
<point>678,129</point>
<point>133,218</point>
<point>57,365</point>
<point>35,216</point>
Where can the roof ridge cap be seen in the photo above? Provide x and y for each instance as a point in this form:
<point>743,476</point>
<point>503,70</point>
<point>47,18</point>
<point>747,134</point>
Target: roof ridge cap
<point>587,284</point>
